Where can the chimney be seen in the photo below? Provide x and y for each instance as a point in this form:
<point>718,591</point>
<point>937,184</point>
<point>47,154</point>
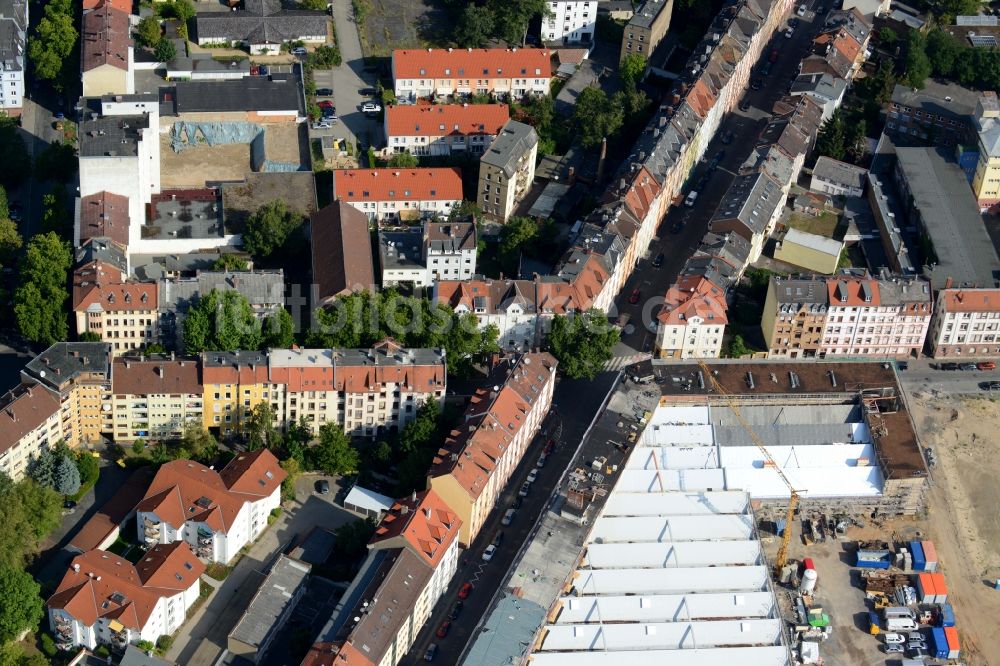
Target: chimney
<point>948,283</point>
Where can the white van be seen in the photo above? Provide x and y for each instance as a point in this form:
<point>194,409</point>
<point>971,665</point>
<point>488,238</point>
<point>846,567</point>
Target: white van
<point>691,198</point>
<point>508,517</point>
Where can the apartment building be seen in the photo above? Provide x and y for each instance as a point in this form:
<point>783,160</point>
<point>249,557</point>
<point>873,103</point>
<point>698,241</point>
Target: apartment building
<point>421,257</point>
<point>507,170</point>
<point>155,397</point>
<point>510,305</point>
<point>443,73</point>
<point>123,314</point>
<point>79,375</point>
<point>399,194</point>
<point>13,61</point>
<point>570,21</point>
<point>215,513</point>
<point>106,52</point>
<point>832,176</point>
<point>29,424</point>
<point>692,321</point>
<point>443,129</point>
<point>475,462</point>
<point>966,324</point>
<point>794,317</point>
<point>986,181</point>
<point>234,383</point>
<point>939,114</point>
<point>751,208</point>
<point>646,28</point>
<point>103,599</point>
<point>365,391</point>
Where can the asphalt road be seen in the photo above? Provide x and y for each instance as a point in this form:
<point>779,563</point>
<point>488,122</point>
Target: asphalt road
<point>575,402</point>
<point>679,243</point>
<point>919,376</point>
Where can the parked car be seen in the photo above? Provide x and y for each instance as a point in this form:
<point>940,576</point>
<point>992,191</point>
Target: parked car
<point>487,556</point>
<point>990,386</point>
<point>299,51</point>
<point>892,638</point>
<point>508,517</point>
<point>541,461</point>
<point>262,70</point>
<point>443,629</point>
<point>322,124</point>
<point>793,22</point>
<point>533,475</point>
<point>968,366</point>
<point>498,538</point>
<point>370,107</point>
<point>366,92</point>
<point>801,11</point>
<point>789,33</point>
<point>323,487</point>
<point>634,296</point>
<point>658,260</point>
<point>324,92</point>
<point>550,445</point>
<point>456,610</point>
<point>894,647</point>
<point>949,366</point>
<point>745,105</point>
<point>525,489</point>
<point>465,590</point>
<point>432,651</point>
<point>986,365</point>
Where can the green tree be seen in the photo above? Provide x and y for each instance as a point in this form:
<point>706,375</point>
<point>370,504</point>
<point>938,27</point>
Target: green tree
<point>165,51</point>
<point>16,163</point>
<point>41,295</point>
<point>42,468</point>
<point>88,336</point>
<point>147,32</point>
<point>54,42</point>
<point>953,8</point>
<point>632,69</point>
<point>582,343</point>
<point>516,238</point>
<point>856,142</point>
<point>88,467</point>
<point>164,643</point>
<point>382,454</point>
<point>230,261</point>
<point>918,66</point>
<point>10,239</point>
<point>221,321</point>
<point>138,446</point>
<point>475,27</point>
<point>268,228</point>
<point>832,137</point>
<point>198,442</point>
<point>738,348</point>
<point>57,162</point>
<point>259,428</point>
<point>20,603</point>
<point>943,52</point>
<point>314,5</point>
<point>279,330</point>
<point>596,117</point>
<point>56,217</point>
<point>403,160</point>
<point>30,512</point>
<point>887,36</point>
<point>511,18</point>
<point>333,454</point>
<point>183,10</point>
<point>67,476</point>
<point>293,470</point>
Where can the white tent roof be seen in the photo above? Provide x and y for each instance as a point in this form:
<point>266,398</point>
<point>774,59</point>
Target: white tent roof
<point>662,635</point>
<point>634,480</point>
<point>621,503</point>
<point>744,656</point>
<point>665,607</point>
<point>672,435</point>
<point>684,554</point>
<point>681,415</point>
<point>661,529</point>
<point>368,499</point>
<point>671,581</point>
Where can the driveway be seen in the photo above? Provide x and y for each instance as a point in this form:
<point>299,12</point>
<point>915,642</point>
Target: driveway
<point>204,636</point>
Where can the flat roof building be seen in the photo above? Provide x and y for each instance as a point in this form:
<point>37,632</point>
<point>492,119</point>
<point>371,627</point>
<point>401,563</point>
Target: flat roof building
<point>269,609</point>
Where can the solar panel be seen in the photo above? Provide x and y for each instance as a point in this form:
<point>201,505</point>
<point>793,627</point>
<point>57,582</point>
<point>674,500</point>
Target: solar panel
<point>983,40</point>
<point>979,19</point>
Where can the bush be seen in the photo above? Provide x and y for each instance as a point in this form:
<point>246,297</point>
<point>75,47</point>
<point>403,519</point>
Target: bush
<point>47,645</point>
<point>164,643</point>
<point>145,646</point>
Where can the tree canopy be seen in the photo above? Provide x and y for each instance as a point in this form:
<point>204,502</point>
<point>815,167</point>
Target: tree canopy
<point>632,68</point>
<point>918,66</point>
<point>475,26</point>
<point>58,162</point>
<point>279,330</point>
<point>221,321</point>
<point>596,117</point>
<point>54,42</point>
<point>165,51</point>
<point>16,163</point>
<point>10,238</point>
<point>30,512</point>
<point>20,602</point>
<point>268,228</point>
<point>403,160</point>
<point>582,343</point>
<point>333,454</point>
<point>230,262</point>
<point>41,296</point>
<point>832,136</point>
<point>147,32</point>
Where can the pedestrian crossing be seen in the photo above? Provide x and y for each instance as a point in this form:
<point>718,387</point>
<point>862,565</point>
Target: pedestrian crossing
<point>620,362</point>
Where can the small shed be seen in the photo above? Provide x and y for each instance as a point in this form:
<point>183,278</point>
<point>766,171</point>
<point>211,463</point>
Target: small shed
<point>367,502</point>
<point>816,253</point>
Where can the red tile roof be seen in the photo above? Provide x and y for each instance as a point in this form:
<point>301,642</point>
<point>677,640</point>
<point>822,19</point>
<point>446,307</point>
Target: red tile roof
<point>123,5</point>
<point>94,275</point>
<point>341,251</point>
<point>429,184</point>
<point>105,38</point>
<point>130,376</point>
<point>114,512</point>
<point>693,296</point>
<point>257,474</point>
<point>853,289</point>
<point>472,64</point>
<point>104,214</point>
<point>445,119</point>
<point>113,296</point>
<point>424,521</point>
<point>23,409</point>
<point>970,300</point>
<point>185,490</point>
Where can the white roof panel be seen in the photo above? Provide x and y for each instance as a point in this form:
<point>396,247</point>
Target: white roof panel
<point>667,435</point>
<point>814,482</point>
<point>661,635</point>
<point>663,529</point>
<point>794,457</point>
<point>681,415</point>
<point>674,457</point>
<point>666,555</point>
<point>665,607</point>
<point>638,480</point>
<point>671,581</point>
<point>744,656</point>
<point>368,499</point>
<point>656,503</point>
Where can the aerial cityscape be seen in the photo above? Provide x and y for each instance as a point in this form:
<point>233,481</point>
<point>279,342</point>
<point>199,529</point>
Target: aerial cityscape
<point>499,332</point>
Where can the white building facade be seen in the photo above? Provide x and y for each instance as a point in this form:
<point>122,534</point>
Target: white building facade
<point>570,21</point>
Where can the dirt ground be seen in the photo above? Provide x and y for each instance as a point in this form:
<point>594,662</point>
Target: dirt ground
<point>197,165</point>
<point>283,143</point>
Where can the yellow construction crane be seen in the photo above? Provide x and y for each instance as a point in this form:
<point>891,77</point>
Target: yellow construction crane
<point>793,500</point>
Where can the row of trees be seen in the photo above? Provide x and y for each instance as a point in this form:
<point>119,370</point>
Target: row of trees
<point>53,49</point>
<point>41,295</point>
<point>224,321</point>
<point>506,20</point>
<point>839,139</point>
<point>582,343</point>
<point>940,54</point>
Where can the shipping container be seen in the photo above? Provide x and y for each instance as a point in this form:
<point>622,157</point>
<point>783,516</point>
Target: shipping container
<point>925,588</point>
<point>939,643</point>
<point>930,556</point>
<point>951,635</point>
<point>947,615</point>
<point>873,559</point>
<point>918,556</point>
<point>940,588</point>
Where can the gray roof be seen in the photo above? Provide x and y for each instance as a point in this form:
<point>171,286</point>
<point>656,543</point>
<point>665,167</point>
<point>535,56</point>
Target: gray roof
<point>316,547</point>
<point>751,199</point>
<point>101,249</point>
<point>261,22</point>
<point>508,632</point>
<point>822,85</point>
<point>387,354</point>
<point>136,657</point>
<point>814,242</point>
<point>265,612</point>
<point>449,237</point>
<point>950,217</point>
<point>111,135</point>
<point>647,13</point>
<point>278,92</point>
<point>801,291</point>
<point>513,142</point>
<point>11,46</point>
<point>261,288</point>
<point>153,266</point>
<point>729,247</point>
<point>235,359</point>
<point>896,290</point>
<point>841,173</point>
<point>64,361</point>
<point>938,98</point>
<point>400,249</point>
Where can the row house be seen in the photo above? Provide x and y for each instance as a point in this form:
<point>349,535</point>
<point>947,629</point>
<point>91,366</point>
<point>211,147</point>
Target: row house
<point>509,305</point>
<point>412,557</point>
<point>399,194</point>
<point>155,397</point>
<point>124,314</point>
<point>215,513</point>
<point>422,256</point>
<point>966,323</point>
<point>473,465</point>
<point>851,314</point>
<point>692,321</point>
<point>443,73</point>
<point>234,384</point>
<point>443,129</point>
<point>105,600</point>
<point>106,52</point>
<point>750,208</point>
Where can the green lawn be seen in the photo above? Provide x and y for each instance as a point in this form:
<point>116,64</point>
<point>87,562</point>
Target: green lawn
<point>824,224</point>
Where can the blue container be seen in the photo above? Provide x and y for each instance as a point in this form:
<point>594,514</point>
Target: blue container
<point>919,561</point>
<point>939,643</point>
<point>947,615</point>
<point>873,559</point>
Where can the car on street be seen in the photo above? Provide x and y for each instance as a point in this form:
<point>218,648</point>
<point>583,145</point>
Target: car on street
<point>525,489</point>
<point>550,445</point>
<point>487,556</point>
<point>541,461</point>
<point>456,610</point>
<point>323,487</point>
<point>367,92</point>
<point>299,51</point>
<point>893,647</point>
<point>370,107</point>
<point>432,651</point>
<point>322,124</point>
<point>968,366</point>
<point>801,11</point>
<point>990,386</point>
<point>533,475</point>
<point>465,590</point>
<point>986,365</point>
<point>634,296</point>
<point>324,92</point>
<point>893,638</point>
<point>949,366</point>
<point>658,260</point>
<point>789,33</point>
<point>508,517</point>
<point>793,22</point>
<point>443,629</point>
<point>498,538</point>
<point>745,105</point>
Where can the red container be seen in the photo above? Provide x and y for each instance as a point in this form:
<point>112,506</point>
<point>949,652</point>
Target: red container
<point>807,563</point>
<point>940,588</point>
<point>951,633</point>
<point>930,555</point>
